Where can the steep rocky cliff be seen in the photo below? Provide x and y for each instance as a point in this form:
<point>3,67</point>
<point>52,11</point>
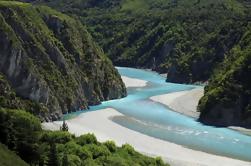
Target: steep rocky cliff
<point>227,99</point>
<point>50,59</point>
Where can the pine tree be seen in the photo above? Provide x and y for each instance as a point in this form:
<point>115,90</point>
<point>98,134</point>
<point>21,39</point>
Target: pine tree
<point>64,126</point>
<point>53,157</point>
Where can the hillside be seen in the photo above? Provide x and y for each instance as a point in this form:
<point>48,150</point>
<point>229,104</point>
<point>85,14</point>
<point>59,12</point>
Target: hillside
<point>9,158</point>
<point>190,40</point>
<point>50,63</point>
<point>185,38</point>
<point>227,99</point>
<point>22,133</point>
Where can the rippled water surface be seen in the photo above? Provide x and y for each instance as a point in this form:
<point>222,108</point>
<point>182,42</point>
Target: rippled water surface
<point>157,120</point>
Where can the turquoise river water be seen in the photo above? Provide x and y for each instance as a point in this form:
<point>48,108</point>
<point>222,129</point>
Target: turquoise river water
<point>156,120</point>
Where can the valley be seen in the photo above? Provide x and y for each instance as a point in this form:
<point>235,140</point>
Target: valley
<point>180,94</point>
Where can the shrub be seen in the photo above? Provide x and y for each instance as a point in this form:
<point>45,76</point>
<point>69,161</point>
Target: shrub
<point>87,139</point>
<point>74,160</point>
<point>60,137</point>
<point>74,148</point>
<point>129,149</point>
<point>98,150</point>
<point>159,161</point>
<point>111,146</point>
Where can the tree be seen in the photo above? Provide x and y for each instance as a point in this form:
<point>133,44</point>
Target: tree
<point>19,131</point>
<point>53,156</point>
<point>65,161</point>
<point>64,126</point>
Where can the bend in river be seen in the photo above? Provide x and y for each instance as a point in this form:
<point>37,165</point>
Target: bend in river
<point>156,120</point>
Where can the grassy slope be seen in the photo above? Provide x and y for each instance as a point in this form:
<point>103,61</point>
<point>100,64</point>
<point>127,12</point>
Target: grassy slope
<point>9,158</point>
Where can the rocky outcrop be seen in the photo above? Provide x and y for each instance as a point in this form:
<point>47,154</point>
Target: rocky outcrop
<point>227,98</point>
<point>219,115</point>
<point>50,58</point>
<point>234,113</point>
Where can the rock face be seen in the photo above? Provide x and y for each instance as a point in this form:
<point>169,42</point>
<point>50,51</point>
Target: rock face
<point>227,99</point>
<point>50,59</point>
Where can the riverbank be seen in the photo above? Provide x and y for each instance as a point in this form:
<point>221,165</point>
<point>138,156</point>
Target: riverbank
<point>100,123</point>
<point>184,102</point>
<point>241,129</point>
<point>133,82</point>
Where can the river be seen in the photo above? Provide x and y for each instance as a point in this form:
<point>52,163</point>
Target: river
<point>156,120</point>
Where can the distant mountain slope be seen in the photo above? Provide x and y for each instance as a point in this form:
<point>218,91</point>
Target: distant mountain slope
<point>50,58</point>
<point>185,38</point>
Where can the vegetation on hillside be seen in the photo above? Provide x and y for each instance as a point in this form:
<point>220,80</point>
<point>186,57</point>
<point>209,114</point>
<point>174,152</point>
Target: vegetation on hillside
<point>48,64</point>
<point>227,99</point>
<point>185,38</point>
<point>9,99</point>
<point>190,40</point>
<point>22,133</point>
<point>50,59</point>
<point>9,158</point>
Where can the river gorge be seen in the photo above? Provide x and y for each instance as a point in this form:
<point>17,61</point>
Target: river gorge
<point>137,112</point>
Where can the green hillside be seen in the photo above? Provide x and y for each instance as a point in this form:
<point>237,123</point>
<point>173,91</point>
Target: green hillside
<point>190,40</point>
<point>185,38</point>
<point>50,59</point>
<point>227,99</point>
<point>22,133</point>
<point>9,158</point>
<point>50,65</point>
